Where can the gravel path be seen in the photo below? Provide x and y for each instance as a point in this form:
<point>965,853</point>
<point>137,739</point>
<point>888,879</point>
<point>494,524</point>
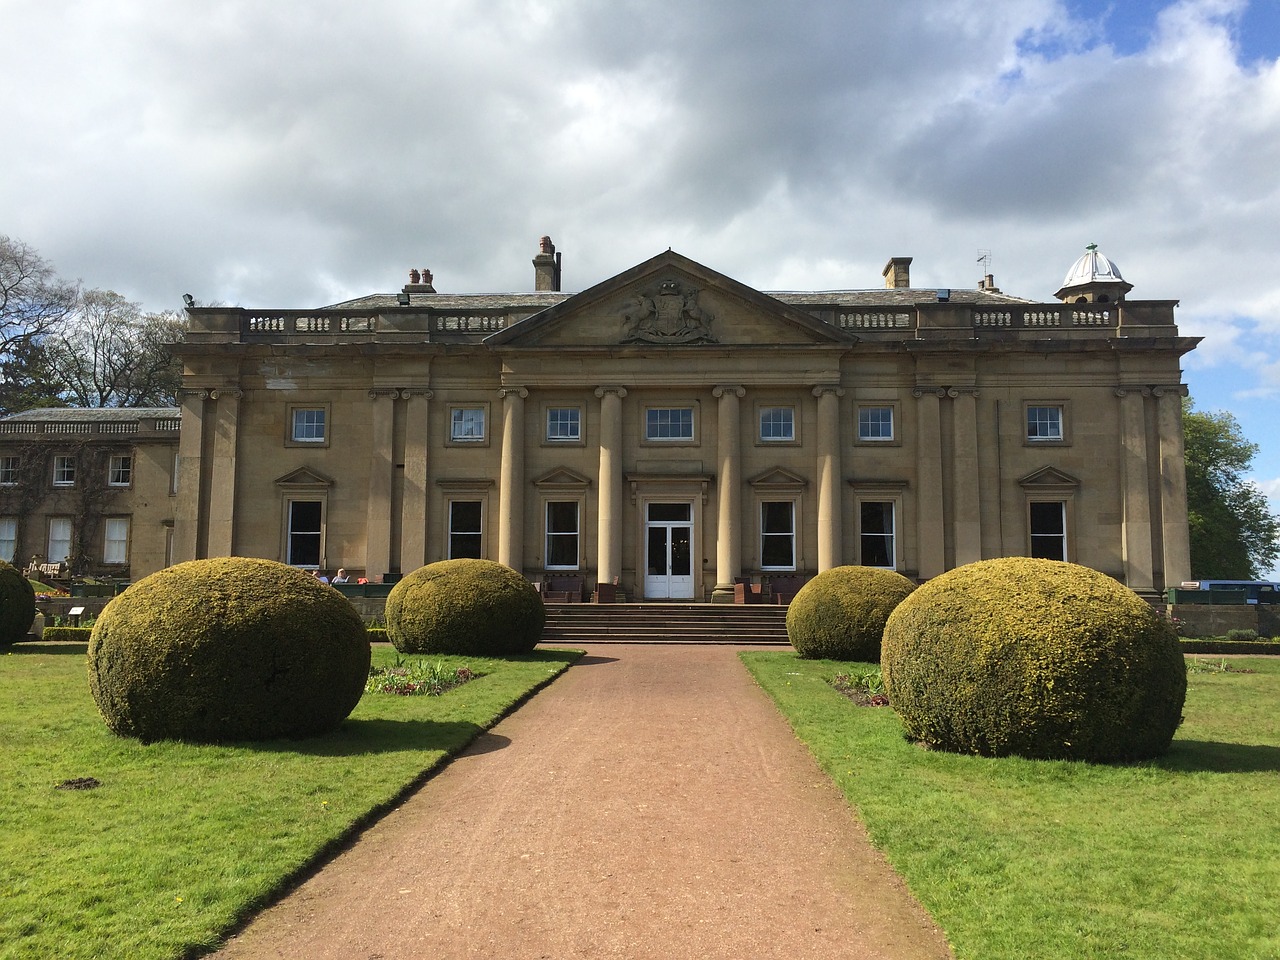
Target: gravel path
<point>650,803</point>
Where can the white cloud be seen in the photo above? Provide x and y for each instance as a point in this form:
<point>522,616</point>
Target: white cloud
<point>290,154</point>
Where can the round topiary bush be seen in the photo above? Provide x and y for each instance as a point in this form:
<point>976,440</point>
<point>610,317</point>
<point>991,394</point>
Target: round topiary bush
<point>840,613</point>
<point>227,649</point>
<point>1035,658</point>
<point>17,604</point>
<point>469,607</point>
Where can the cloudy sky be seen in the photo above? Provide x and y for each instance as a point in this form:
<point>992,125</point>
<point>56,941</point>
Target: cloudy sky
<point>292,154</point>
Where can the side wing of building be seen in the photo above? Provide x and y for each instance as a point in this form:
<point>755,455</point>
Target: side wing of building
<point>89,492</point>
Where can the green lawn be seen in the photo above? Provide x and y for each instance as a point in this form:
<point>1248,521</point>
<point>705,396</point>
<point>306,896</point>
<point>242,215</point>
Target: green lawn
<point>181,841</point>
<point>1178,858</point>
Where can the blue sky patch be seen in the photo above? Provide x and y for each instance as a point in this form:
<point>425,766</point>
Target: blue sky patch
<point>1128,25</point>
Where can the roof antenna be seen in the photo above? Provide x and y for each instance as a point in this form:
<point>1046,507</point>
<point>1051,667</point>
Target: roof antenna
<point>988,280</point>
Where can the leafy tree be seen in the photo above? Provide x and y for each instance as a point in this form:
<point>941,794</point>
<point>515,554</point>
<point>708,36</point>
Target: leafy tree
<point>110,354</point>
<point>1234,534</point>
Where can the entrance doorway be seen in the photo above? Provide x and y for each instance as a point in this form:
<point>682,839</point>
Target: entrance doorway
<point>668,551</point>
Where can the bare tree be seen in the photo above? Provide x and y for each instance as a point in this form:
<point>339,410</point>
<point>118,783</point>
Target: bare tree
<point>110,354</point>
<point>33,299</point>
<point>26,380</point>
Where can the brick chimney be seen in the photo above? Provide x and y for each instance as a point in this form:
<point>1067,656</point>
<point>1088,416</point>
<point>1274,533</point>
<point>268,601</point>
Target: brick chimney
<point>897,272</point>
<point>546,267</point>
<point>419,282</point>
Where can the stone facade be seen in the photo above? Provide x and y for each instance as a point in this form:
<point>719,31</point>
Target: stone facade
<point>671,429</point>
<point>89,491</point>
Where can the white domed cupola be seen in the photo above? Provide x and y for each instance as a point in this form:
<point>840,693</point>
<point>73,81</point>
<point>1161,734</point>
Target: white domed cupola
<point>1093,279</point>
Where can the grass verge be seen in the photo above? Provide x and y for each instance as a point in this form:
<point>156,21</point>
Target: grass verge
<point>182,841</point>
<point>1017,858</point>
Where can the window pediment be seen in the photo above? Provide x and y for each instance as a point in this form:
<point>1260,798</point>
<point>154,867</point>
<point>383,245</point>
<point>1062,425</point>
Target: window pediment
<point>304,478</point>
<point>562,478</point>
<point>778,480</point>
<point>1049,479</point>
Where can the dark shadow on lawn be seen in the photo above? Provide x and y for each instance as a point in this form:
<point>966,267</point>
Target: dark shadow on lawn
<point>358,737</point>
<point>50,647</point>
<point>1197,756</point>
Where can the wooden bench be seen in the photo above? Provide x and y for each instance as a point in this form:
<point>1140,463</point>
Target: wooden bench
<point>783,588</point>
<point>36,571</point>
<point>563,589</point>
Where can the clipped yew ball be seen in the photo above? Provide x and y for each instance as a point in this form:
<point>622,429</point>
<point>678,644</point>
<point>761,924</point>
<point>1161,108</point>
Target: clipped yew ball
<point>227,649</point>
<point>1034,658</point>
<point>17,604</point>
<point>840,614</point>
<point>468,607</point>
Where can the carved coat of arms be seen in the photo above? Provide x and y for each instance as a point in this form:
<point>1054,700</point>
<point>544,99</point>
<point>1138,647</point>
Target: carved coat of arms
<point>671,315</point>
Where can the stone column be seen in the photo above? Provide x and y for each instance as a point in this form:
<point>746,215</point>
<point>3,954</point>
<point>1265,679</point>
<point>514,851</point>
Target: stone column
<point>1139,565</point>
<point>413,521</point>
<point>931,543</point>
<point>1173,485</point>
<point>830,542</point>
<point>967,520</point>
<point>729,475</point>
<point>511,480</point>
<point>609,540</point>
<point>377,551</point>
<point>222,477</point>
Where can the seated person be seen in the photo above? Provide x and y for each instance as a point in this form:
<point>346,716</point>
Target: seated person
<point>315,574</point>
<point>340,576</point>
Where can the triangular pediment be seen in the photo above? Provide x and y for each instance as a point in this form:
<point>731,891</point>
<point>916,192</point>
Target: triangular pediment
<point>563,477</point>
<point>304,477</point>
<point>670,301</point>
<point>778,477</point>
<point>1049,477</point>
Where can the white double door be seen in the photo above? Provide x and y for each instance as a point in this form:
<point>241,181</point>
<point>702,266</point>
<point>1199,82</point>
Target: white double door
<point>668,551</point>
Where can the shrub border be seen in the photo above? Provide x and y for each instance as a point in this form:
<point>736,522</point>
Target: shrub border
<point>1258,647</point>
<point>78,634</point>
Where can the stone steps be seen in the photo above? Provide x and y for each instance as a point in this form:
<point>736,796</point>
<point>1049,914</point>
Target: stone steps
<point>569,623</point>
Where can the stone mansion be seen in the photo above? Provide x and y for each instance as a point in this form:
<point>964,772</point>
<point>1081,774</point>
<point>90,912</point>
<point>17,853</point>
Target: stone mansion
<point>672,430</point>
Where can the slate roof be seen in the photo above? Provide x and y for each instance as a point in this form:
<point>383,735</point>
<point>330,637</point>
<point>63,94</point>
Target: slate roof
<point>95,415</point>
<point>895,296</point>
<point>455,301</point>
<point>805,300</point>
